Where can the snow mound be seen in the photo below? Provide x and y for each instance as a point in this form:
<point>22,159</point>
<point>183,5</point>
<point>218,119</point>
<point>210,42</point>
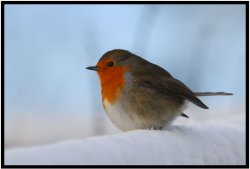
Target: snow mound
<point>179,145</point>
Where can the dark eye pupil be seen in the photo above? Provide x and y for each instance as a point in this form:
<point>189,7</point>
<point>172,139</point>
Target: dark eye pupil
<point>110,64</point>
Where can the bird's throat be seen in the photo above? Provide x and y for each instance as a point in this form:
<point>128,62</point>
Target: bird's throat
<point>112,83</point>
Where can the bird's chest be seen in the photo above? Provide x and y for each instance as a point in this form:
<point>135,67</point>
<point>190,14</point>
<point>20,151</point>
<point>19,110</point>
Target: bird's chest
<point>118,115</point>
<point>112,84</point>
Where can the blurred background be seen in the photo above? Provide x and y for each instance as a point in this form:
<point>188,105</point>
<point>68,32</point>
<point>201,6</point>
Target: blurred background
<point>49,96</point>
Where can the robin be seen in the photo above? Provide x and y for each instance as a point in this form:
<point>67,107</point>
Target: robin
<point>137,94</point>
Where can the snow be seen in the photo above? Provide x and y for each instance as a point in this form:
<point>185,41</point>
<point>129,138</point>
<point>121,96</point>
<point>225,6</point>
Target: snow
<point>209,137</point>
<point>206,144</point>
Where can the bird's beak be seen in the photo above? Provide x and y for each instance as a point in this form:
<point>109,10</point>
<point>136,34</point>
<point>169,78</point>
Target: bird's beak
<point>95,68</point>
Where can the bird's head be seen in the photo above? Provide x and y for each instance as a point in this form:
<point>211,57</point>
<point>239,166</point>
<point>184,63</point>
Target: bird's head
<point>111,69</point>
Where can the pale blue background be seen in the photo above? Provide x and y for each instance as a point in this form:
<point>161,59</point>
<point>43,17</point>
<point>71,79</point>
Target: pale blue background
<point>47,48</point>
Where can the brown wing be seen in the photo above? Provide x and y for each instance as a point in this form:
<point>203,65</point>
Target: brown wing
<point>161,81</point>
<point>170,86</point>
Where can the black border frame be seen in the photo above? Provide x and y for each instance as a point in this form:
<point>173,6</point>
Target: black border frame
<point>246,3</point>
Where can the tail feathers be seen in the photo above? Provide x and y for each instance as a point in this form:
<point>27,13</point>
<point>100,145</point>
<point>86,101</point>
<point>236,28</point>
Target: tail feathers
<point>212,94</point>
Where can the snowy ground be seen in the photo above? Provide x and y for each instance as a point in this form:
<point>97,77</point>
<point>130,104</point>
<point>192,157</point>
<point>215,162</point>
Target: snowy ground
<point>179,145</point>
<point>206,138</point>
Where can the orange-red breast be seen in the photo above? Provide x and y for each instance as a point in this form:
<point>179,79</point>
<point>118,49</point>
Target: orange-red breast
<point>137,94</point>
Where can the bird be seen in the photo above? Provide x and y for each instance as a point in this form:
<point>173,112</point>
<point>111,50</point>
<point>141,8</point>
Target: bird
<point>137,94</point>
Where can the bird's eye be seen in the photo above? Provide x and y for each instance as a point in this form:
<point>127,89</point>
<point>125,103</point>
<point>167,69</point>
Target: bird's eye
<point>110,64</point>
